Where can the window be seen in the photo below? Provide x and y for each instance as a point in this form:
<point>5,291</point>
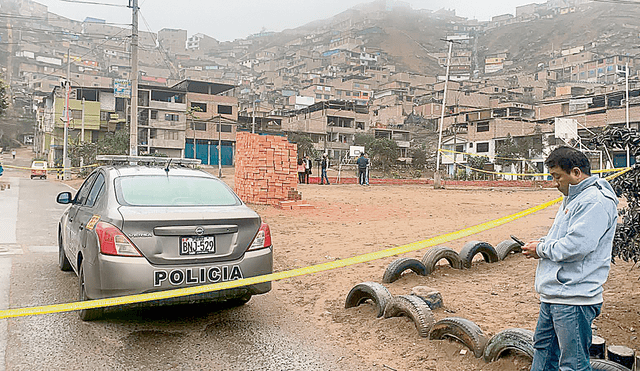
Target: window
<point>171,135</point>
<point>76,114</point>
<point>171,117</point>
<point>166,96</point>
<point>365,94</point>
<point>83,192</point>
<point>225,128</point>
<point>225,110</point>
<point>459,147</point>
<point>327,97</point>
<point>199,107</point>
<point>201,126</point>
<point>153,133</point>
<point>482,147</point>
<point>173,191</point>
<point>348,93</point>
<point>318,96</point>
<point>327,88</point>
<point>95,190</point>
<point>154,114</point>
<point>482,126</point>
<point>104,115</point>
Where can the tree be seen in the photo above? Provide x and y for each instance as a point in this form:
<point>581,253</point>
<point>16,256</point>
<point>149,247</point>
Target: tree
<point>305,145</point>
<point>384,152</point>
<point>116,143</point>
<point>477,162</point>
<point>418,157</point>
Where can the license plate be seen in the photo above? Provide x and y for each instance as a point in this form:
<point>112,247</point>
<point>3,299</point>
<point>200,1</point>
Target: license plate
<point>197,245</point>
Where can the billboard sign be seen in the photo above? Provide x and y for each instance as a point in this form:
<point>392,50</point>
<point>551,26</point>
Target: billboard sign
<point>122,88</point>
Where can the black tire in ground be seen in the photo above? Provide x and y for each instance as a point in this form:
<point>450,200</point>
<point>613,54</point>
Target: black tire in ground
<point>435,254</point>
<point>373,291</point>
<point>506,247</point>
<point>604,365</point>
<point>87,314</point>
<point>397,267</point>
<point>463,330</point>
<point>414,308</point>
<point>513,339</point>
<point>472,248</point>
<point>63,262</point>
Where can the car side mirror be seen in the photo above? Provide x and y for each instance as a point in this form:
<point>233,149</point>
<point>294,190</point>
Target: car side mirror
<point>64,198</point>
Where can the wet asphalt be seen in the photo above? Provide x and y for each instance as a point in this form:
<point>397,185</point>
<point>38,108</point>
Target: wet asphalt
<point>261,335</point>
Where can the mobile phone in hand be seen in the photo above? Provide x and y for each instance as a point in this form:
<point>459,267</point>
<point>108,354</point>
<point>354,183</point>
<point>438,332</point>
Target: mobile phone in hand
<point>518,241</point>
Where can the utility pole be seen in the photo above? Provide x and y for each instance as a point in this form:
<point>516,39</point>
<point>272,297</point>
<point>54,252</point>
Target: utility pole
<point>253,119</point>
<point>133,129</point>
<point>219,146</point>
<point>626,70</point>
<point>82,134</point>
<point>67,118</point>
<point>436,176</point>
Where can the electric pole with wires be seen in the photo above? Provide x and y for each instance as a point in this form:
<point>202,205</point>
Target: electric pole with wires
<point>133,124</point>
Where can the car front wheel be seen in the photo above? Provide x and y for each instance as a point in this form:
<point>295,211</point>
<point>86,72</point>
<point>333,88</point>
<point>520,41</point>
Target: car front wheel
<point>87,314</point>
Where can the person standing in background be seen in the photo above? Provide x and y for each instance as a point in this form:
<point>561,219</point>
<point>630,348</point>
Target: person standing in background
<point>301,171</point>
<point>324,166</point>
<point>363,163</point>
<point>307,168</point>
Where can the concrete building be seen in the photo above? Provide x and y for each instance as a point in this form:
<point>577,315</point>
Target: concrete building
<point>162,120</point>
<point>173,41</point>
<point>332,125</point>
<point>212,121</point>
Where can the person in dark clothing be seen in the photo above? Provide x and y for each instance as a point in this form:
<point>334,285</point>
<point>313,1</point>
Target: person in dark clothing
<point>363,163</point>
<point>307,167</point>
<point>324,166</point>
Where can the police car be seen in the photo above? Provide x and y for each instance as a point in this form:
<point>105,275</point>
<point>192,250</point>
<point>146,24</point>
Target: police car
<point>141,224</point>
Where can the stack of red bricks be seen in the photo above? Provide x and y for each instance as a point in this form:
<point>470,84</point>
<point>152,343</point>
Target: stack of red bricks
<point>266,169</point>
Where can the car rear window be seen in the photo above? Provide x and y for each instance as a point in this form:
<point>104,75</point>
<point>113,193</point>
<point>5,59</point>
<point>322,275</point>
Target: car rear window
<point>173,191</point>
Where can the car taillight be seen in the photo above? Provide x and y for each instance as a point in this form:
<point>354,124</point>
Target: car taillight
<point>263,238</point>
<point>114,242</point>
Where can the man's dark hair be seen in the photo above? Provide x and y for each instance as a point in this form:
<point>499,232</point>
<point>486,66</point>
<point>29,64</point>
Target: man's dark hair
<point>567,158</point>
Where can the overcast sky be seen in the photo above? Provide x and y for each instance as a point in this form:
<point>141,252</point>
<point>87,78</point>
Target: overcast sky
<point>228,20</point>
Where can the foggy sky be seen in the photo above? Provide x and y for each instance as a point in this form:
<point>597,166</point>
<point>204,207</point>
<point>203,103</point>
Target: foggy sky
<point>228,20</point>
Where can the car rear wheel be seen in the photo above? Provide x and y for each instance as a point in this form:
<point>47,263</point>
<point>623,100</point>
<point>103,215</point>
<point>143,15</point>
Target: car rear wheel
<point>87,314</point>
<point>63,262</point>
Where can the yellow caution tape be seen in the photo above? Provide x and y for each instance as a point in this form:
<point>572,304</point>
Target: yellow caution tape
<point>140,298</point>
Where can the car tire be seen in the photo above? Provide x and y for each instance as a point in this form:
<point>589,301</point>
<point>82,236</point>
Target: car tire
<point>44,177</point>
<point>398,266</point>
<point>87,314</point>
<point>373,291</point>
<point>434,255</point>
<point>414,308</point>
<point>63,262</point>
<point>507,247</point>
<point>31,176</point>
<point>472,248</point>
<point>516,339</point>
<point>605,365</point>
<point>461,329</point>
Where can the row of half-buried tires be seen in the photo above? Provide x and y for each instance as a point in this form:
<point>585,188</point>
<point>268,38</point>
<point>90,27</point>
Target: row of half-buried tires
<point>513,340</point>
<point>428,263</point>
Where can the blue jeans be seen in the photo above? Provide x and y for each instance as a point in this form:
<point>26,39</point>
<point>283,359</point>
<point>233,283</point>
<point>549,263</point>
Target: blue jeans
<point>563,337</point>
<point>324,177</point>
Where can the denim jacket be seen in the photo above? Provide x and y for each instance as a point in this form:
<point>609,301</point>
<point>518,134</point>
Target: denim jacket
<point>575,256</point>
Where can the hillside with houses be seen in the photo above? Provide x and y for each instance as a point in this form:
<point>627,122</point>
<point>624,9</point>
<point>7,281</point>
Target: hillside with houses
<point>551,73</point>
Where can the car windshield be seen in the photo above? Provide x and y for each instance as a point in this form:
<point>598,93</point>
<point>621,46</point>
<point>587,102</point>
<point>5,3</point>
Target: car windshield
<point>173,191</point>
<point>38,165</point>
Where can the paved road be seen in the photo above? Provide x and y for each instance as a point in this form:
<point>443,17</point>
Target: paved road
<point>258,336</point>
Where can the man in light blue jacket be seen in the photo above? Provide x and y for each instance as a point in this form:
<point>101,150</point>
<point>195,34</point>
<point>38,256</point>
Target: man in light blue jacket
<point>574,261</point>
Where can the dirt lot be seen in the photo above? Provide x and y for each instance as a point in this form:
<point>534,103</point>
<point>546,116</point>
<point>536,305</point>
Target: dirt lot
<point>349,220</point>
